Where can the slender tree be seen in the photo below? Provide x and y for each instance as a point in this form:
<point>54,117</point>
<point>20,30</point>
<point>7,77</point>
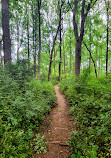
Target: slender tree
<point>54,61</point>
<point>60,17</point>
<point>39,53</point>
<point>90,44</point>
<point>70,48</point>
<point>107,10</point>
<point>18,38</point>
<point>34,20</point>
<point>1,52</point>
<point>28,44</point>
<point>64,60</point>
<point>91,57</point>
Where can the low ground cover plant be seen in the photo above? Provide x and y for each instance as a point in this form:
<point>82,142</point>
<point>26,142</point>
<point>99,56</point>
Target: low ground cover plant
<point>22,110</point>
<point>90,101</point>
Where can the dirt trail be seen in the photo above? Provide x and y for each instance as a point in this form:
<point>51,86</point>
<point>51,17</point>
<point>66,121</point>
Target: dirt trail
<point>57,129</point>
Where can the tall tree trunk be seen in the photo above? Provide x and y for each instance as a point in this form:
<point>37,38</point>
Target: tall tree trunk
<point>70,56</point>
<point>35,58</point>
<point>107,9</point>
<point>18,45</point>
<point>99,65</point>
<point>27,10</point>
<point>60,15</point>
<point>79,38</point>
<point>96,53</point>
<point>6,32</point>
<point>39,53</point>
<point>64,60</point>
<point>90,45</point>
<point>50,64</point>
<point>77,58</point>
<point>34,38</point>
<point>34,48</point>
<point>1,53</point>
<point>70,48</point>
<point>54,61</point>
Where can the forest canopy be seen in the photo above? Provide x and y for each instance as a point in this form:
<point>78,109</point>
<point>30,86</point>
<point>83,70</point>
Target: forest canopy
<point>56,38</point>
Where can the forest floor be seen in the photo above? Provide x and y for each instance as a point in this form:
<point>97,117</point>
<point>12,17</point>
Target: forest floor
<point>57,129</point>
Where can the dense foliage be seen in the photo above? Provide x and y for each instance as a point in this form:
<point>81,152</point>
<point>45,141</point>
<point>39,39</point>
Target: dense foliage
<point>90,101</point>
<point>50,40</point>
<point>22,110</point>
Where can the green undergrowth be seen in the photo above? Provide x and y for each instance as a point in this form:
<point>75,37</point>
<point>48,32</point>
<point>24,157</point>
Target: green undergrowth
<point>22,111</point>
<point>90,101</point>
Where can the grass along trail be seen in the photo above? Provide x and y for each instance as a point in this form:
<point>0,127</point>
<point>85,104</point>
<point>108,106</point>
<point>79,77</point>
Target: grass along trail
<point>57,129</point>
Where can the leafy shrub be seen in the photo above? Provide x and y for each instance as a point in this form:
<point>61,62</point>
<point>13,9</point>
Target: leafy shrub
<point>20,72</point>
<point>14,144</point>
<point>22,111</point>
<point>40,144</point>
<point>90,101</point>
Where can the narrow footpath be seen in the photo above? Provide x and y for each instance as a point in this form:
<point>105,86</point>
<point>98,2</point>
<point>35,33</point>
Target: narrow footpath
<point>57,129</point>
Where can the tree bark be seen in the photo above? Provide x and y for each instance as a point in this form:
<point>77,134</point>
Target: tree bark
<point>107,49</point>
<point>39,53</point>
<point>90,45</point>
<point>1,53</point>
<point>6,32</point>
<point>79,38</point>
<point>18,45</point>
<point>34,39</point>
<point>99,65</point>
<point>60,15</point>
<point>64,61</point>
<point>77,58</point>
<point>54,61</point>
<point>28,47</point>
<point>96,59</point>
<point>70,56</point>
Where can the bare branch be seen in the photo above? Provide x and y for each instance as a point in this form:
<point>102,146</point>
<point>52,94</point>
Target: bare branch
<point>62,4</point>
<point>70,5</point>
<point>91,57</point>
<point>89,7</point>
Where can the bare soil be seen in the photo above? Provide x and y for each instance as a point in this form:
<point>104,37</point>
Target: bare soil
<point>57,129</point>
